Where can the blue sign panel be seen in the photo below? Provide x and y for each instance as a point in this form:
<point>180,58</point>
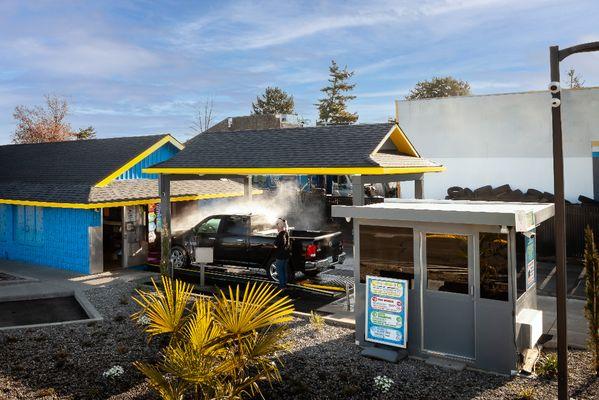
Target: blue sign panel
<point>530,246</point>
<point>387,311</point>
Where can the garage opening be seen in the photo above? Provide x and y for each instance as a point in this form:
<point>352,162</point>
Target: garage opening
<point>112,237</point>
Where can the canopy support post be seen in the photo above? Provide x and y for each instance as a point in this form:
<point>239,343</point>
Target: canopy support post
<point>166,267</point>
<point>247,187</point>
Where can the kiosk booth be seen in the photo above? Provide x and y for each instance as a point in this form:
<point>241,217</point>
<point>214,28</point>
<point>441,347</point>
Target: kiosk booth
<point>469,273</point>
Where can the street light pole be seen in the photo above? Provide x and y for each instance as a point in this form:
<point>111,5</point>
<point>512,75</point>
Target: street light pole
<point>555,56</point>
<point>560,227</point>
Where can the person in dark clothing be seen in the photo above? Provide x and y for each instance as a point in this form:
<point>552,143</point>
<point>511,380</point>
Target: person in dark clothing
<point>282,252</point>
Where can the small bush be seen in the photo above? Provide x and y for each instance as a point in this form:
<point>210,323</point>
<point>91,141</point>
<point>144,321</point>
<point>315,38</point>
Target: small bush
<point>526,394</point>
<point>316,320</point>
<point>383,383</point>
<point>548,366</point>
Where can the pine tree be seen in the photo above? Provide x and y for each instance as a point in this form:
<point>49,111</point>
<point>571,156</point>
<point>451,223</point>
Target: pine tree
<point>591,264</point>
<point>274,100</point>
<point>332,108</point>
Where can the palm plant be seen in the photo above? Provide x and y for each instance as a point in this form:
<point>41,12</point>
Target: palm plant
<point>218,348</point>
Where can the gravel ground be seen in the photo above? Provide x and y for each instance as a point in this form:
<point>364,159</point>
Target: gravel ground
<point>334,369</point>
<point>67,362</point>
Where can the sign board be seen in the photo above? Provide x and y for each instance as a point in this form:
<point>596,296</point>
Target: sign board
<point>386,311</point>
<point>531,260</point>
<point>204,255</point>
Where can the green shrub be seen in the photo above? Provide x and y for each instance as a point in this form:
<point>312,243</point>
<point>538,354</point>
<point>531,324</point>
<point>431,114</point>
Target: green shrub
<point>316,320</point>
<point>526,394</point>
<point>217,349</point>
<point>591,265</point>
<point>548,366</point>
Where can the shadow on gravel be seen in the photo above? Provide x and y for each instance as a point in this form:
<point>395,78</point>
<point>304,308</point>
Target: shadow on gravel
<point>334,369</point>
<point>69,361</point>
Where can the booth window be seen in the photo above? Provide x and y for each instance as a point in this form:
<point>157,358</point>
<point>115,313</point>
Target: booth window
<point>493,253</point>
<point>387,251</point>
<point>447,262</point>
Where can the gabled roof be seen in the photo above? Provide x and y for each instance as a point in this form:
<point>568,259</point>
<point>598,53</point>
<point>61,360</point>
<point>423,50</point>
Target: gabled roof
<point>77,161</point>
<point>339,149</point>
<point>81,174</point>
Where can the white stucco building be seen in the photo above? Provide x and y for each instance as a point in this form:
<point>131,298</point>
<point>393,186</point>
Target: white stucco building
<point>504,138</point>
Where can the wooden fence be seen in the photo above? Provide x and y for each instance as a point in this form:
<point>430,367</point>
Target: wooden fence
<point>578,216</point>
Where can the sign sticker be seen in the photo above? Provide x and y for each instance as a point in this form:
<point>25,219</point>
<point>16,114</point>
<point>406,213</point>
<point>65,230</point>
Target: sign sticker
<point>531,261</point>
<point>386,311</point>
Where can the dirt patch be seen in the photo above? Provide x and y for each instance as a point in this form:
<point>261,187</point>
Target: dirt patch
<point>40,311</point>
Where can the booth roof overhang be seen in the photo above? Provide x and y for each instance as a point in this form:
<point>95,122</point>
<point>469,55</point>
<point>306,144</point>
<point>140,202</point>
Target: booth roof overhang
<point>522,216</point>
<point>363,149</point>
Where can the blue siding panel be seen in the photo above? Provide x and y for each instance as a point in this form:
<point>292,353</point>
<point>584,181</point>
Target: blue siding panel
<point>162,154</point>
<point>55,237</point>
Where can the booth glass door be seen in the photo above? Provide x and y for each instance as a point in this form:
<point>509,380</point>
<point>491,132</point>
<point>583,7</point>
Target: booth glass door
<point>448,295</point>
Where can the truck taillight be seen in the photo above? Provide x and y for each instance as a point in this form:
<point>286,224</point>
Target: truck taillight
<point>311,250</point>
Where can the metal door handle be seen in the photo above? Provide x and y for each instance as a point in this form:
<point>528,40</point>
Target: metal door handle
<point>240,240</point>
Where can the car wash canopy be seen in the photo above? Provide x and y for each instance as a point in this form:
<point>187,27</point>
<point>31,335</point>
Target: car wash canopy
<point>370,149</point>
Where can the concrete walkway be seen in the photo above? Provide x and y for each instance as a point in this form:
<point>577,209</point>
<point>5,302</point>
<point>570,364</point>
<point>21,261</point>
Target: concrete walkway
<point>45,282</point>
<point>578,330</point>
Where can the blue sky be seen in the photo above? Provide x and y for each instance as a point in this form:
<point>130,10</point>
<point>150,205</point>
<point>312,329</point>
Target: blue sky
<point>141,67</point>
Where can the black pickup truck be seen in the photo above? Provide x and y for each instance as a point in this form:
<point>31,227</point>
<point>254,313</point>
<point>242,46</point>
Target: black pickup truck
<point>248,241</point>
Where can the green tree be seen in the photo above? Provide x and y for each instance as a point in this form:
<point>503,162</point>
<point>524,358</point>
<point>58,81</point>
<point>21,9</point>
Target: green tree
<point>274,100</point>
<point>574,80</point>
<point>86,133</point>
<point>439,87</point>
<point>332,108</point>
<point>591,265</point>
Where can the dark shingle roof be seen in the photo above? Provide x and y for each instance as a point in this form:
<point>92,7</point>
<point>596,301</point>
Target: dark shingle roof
<point>322,146</point>
<point>77,161</point>
<point>66,172</point>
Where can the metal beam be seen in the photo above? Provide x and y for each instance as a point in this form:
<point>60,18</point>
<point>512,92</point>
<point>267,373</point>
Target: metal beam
<point>164,184</point>
<point>390,178</point>
<point>580,48</point>
<point>419,188</point>
<point>560,231</point>
<point>196,177</point>
<point>358,190</point>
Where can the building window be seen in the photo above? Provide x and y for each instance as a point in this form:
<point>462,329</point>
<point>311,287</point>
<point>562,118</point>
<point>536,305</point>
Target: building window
<point>29,225</point>
<point>493,253</point>
<point>387,252</point>
<point>447,262</point>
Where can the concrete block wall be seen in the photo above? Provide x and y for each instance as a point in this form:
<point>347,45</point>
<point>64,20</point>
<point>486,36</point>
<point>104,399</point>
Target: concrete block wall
<point>62,237</point>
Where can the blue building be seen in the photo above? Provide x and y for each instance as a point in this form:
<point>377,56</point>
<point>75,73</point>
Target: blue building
<point>86,206</point>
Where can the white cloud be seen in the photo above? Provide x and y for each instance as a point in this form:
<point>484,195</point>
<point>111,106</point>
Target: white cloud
<point>81,56</point>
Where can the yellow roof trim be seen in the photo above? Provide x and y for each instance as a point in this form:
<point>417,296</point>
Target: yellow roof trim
<point>400,140</point>
<point>403,144</point>
<point>91,206</point>
<point>167,139</point>
<point>296,171</point>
